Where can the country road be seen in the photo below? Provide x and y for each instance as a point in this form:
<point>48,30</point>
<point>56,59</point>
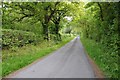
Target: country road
<point>70,61</point>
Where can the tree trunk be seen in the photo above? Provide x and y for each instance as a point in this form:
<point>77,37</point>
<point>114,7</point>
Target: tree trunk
<point>45,31</point>
<point>101,11</point>
<point>57,31</point>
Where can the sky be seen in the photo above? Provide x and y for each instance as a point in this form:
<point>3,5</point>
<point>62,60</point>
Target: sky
<point>69,18</point>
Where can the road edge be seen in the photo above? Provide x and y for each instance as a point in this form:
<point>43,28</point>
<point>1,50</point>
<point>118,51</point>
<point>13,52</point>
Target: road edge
<point>34,62</point>
<point>97,72</point>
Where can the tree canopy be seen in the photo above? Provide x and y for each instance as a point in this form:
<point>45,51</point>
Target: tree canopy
<point>98,21</point>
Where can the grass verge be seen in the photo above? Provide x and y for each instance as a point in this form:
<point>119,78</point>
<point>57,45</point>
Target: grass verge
<point>0,70</point>
<point>107,62</point>
<point>14,60</point>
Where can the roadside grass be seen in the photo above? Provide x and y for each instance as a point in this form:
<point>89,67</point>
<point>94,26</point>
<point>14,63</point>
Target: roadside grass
<point>0,70</point>
<point>21,57</point>
<point>107,62</point>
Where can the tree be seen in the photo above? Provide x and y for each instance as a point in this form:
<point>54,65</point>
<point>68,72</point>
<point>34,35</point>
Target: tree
<point>33,10</point>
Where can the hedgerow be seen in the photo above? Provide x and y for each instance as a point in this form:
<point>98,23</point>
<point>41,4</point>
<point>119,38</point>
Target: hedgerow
<point>17,38</point>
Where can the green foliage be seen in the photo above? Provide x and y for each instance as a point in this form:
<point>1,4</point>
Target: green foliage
<point>94,20</point>
<point>0,69</point>
<point>17,38</point>
<point>37,17</point>
<point>100,27</point>
<point>108,63</point>
<point>68,30</point>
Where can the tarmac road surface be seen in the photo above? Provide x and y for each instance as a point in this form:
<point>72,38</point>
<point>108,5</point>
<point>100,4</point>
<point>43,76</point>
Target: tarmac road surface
<point>69,61</point>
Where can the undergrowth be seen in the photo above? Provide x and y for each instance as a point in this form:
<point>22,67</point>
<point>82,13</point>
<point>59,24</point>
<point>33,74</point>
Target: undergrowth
<point>107,62</point>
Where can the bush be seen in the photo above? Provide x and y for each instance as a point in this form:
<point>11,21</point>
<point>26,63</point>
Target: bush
<point>17,38</point>
<point>106,59</point>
